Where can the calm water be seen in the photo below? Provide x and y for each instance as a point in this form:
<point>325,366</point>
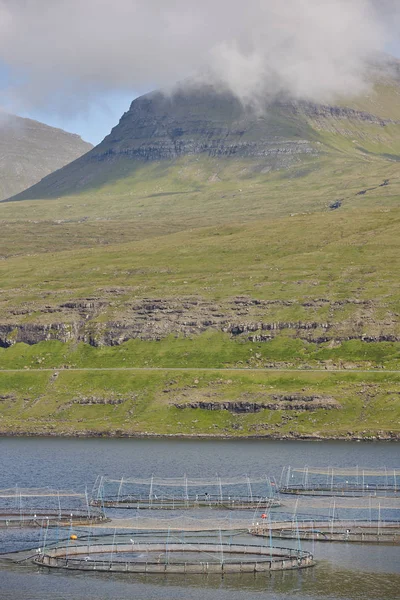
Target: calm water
<point>343,571</point>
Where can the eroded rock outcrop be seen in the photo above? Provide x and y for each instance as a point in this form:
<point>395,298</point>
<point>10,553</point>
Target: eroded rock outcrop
<point>274,402</point>
<point>156,318</point>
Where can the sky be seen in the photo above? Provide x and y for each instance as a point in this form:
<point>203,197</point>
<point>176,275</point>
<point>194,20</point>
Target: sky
<point>94,122</point>
<point>78,64</point>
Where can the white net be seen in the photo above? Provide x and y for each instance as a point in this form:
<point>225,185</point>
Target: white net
<point>39,493</point>
<point>188,481</point>
<point>348,472</point>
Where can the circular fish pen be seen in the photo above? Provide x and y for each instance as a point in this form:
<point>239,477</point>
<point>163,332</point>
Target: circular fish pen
<point>164,557</point>
<point>330,481</point>
<point>239,493</point>
<point>332,531</point>
<point>44,507</point>
<point>171,503</point>
<point>44,518</point>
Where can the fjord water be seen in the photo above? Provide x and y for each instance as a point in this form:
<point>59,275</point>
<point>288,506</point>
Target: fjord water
<point>348,571</point>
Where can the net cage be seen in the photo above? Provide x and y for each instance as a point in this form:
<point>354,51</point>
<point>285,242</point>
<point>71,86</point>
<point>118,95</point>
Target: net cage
<point>127,549</point>
<point>331,481</point>
<point>369,519</point>
<point>352,530</point>
<point>184,492</point>
<point>24,507</point>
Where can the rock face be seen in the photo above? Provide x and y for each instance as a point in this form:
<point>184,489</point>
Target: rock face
<point>322,111</point>
<point>274,402</point>
<point>154,319</point>
<point>201,121</point>
<point>30,150</point>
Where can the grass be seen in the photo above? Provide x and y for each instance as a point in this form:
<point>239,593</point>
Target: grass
<point>337,267</point>
<point>41,403</point>
<point>154,201</point>
<point>209,350</point>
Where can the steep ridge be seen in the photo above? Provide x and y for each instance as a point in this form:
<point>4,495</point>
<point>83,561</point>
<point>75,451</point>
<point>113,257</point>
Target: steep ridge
<point>30,150</point>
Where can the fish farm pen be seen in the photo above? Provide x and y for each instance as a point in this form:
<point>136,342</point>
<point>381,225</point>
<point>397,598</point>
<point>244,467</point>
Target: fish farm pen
<point>171,553</point>
<point>332,481</point>
<point>372,532</point>
<point>210,525</point>
<point>369,519</point>
<point>43,507</point>
<point>239,493</point>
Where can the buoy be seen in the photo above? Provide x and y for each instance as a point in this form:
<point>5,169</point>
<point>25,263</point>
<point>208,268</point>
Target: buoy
<point>73,537</point>
<point>263,516</point>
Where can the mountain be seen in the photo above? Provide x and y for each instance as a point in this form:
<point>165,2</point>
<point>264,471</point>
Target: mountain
<point>201,121</point>
<point>30,150</point>
<point>189,123</point>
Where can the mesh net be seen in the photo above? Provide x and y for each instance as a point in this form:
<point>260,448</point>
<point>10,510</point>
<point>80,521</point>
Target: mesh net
<point>38,493</point>
<point>350,472</point>
<point>187,481</point>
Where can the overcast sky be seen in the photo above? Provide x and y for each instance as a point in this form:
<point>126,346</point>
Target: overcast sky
<point>78,64</point>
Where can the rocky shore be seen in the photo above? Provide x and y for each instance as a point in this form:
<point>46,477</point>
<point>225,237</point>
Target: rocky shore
<point>390,436</point>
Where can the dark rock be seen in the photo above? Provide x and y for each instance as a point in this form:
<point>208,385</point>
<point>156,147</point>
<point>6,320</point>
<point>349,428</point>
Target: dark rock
<point>335,205</point>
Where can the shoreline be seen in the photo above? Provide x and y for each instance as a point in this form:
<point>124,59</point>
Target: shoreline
<point>381,437</point>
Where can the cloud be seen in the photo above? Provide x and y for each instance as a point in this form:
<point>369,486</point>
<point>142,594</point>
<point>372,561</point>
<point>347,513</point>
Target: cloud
<point>64,53</point>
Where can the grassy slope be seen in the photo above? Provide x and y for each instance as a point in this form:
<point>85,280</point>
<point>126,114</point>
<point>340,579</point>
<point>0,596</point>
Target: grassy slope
<point>157,200</point>
<point>215,230</point>
<point>210,350</point>
<point>335,256</point>
<point>344,257</point>
<point>143,403</point>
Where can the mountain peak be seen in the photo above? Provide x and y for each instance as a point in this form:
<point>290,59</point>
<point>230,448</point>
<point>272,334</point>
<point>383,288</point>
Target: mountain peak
<point>30,150</point>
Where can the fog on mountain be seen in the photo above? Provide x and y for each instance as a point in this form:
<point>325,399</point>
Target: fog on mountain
<point>62,55</point>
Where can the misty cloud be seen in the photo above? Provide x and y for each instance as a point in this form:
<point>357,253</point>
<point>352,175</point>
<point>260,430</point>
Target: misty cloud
<point>62,53</point>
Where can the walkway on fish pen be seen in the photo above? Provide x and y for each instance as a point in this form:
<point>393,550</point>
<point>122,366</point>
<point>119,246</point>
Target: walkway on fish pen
<point>45,518</point>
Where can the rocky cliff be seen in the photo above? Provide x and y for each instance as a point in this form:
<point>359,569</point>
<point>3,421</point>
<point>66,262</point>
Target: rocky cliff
<point>154,319</point>
<point>201,121</point>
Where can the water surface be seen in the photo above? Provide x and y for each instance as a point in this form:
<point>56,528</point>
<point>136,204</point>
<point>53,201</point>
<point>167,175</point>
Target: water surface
<point>347,571</point>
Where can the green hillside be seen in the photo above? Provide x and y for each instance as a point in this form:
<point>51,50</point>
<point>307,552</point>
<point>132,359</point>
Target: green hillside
<point>351,405</point>
<point>270,260</point>
<point>191,193</point>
